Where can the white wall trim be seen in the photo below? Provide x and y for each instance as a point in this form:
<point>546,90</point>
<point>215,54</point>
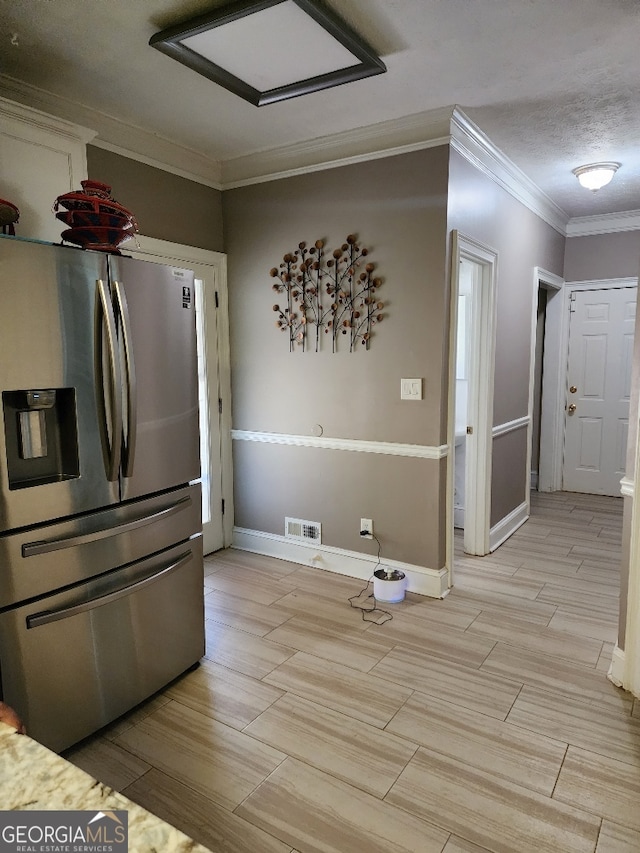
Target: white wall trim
<point>510,426</point>
<point>507,526</point>
<point>388,448</point>
<point>428,129</point>
<point>476,147</point>
<point>601,284</point>
<point>627,487</point>
<point>178,252</point>
<point>332,163</point>
<point>384,139</point>
<point>604,223</point>
<point>448,125</point>
<point>43,121</point>
<point>616,669</point>
<point>420,579</point>
<point>157,164</point>
<point>164,153</point>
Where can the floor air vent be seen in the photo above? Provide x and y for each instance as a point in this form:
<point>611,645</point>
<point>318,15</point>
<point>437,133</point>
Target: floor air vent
<point>303,531</point>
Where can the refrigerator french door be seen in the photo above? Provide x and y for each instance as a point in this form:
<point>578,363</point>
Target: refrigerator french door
<point>100,530</point>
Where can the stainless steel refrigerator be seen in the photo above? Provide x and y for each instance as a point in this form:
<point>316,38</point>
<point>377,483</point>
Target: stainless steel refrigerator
<point>101,577</point>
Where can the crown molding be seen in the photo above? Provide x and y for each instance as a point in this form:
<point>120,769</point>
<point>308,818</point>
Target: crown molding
<point>385,139</point>
<point>109,132</point>
<point>157,164</point>
<point>40,120</point>
<point>605,223</point>
<point>429,129</point>
<point>476,147</point>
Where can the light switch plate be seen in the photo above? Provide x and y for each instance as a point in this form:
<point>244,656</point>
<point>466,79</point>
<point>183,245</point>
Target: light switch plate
<point>411,389</point>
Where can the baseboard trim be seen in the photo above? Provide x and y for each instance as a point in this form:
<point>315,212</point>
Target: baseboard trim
<point>616,670</point>
<point>627,487</point>
<point>505,528</point>
<point>420,579</point>
<point>534,480</point>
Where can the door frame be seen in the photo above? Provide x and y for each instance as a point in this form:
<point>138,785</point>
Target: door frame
<point>218,315</point>
<point>554,372</point>
<point>554,380</point>
<point>480,406</point>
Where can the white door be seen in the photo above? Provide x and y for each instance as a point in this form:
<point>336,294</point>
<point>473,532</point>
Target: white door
<point>601,327</point>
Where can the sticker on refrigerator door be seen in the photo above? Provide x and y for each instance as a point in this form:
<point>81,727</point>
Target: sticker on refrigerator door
<point>186,297</point>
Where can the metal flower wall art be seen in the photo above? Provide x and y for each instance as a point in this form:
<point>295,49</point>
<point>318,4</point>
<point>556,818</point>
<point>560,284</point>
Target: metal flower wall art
<point>329,293</point>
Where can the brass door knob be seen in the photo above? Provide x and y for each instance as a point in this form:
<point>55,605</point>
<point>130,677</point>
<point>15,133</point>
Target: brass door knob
<point>572,408</point>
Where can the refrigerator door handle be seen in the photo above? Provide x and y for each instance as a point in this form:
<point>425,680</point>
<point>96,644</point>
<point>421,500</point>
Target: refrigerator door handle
<point>56,615</point>
<point>132,390</point>
<point>32,549</point>
<point>105,321</point>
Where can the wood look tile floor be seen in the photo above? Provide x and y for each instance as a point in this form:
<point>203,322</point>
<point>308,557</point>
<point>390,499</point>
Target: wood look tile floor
<point>482,722</point>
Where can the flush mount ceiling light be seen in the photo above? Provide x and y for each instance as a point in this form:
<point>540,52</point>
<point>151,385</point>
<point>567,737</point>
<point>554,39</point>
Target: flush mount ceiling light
<point>269,50</point>
<point>596,175</point>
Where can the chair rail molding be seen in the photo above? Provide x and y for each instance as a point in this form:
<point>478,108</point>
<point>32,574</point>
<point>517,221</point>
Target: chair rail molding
<point>389,448</point>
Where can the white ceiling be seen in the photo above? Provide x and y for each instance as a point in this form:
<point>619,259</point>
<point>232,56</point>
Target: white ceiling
<point>553,83</point>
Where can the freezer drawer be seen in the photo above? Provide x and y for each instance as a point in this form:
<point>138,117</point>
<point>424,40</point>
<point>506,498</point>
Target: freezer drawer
<point>41,560</point>
<point>74,661</point>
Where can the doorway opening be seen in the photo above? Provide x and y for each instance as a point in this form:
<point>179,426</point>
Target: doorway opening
<point>214,382</point>
<point>471,371</point>
<point>546,384</point>
<point>592,301</point>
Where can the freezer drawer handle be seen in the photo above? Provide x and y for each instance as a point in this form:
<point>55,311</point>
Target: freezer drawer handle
<point>32,549</point>
<point>109,598</point>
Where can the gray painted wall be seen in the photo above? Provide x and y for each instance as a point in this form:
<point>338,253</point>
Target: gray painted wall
<point>602,256</point>
<point>397,207</point>
<point>166,206</point>
<point>481,209</point>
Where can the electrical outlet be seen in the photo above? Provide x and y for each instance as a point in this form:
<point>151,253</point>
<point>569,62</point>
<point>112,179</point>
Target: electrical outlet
<point>366,524</point>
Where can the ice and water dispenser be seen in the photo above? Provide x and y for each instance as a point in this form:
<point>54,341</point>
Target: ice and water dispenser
<point>42,436</point>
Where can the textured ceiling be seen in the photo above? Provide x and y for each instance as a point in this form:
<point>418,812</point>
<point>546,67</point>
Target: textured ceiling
<point>553,83</point>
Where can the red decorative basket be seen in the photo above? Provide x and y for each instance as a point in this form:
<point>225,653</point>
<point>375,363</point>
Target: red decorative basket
<point>9,215</point>
<point>94,237</point>
<point>88,218</point>
<point>95,220</point>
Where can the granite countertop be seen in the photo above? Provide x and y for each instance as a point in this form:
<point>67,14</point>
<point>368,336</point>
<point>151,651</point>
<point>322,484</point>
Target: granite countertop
<point>33,777</point>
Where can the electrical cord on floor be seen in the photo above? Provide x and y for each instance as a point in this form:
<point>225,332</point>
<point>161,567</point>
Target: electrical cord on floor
<point>364,606</point>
